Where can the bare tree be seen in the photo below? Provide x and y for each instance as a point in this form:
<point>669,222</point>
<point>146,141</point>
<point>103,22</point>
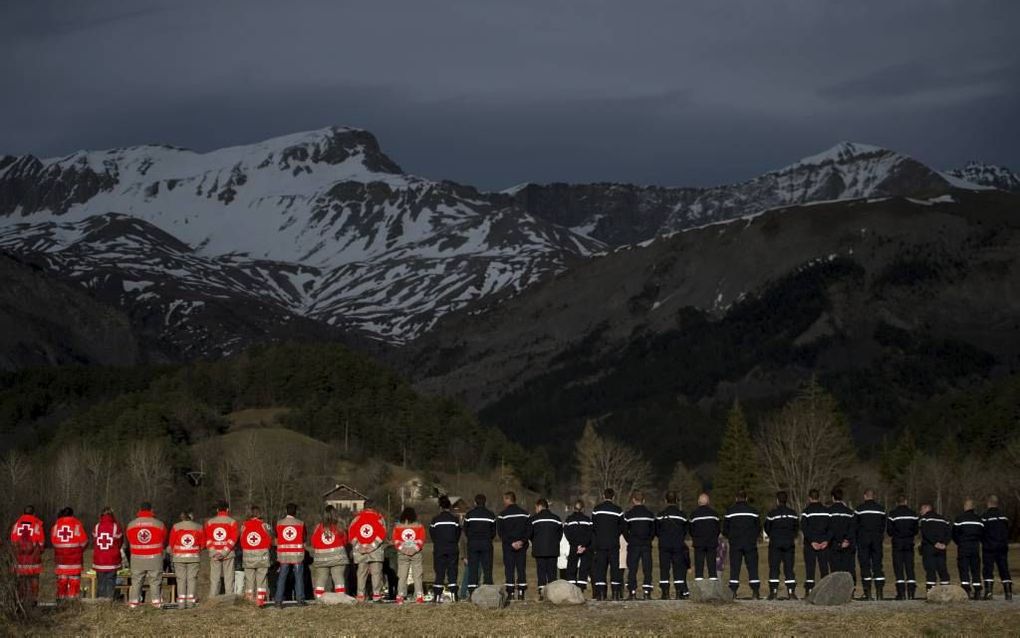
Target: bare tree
<point>604,462</point>
<point>149,466</point>
<point>17,469</point>
<point>686,484</point>
<point>806,445</point>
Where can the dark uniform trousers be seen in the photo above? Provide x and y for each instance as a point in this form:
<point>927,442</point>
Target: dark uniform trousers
<point>578,567</point>
<point>903,568</point>
<point>996,558</point>
<point>812,558</point>
<point>842,560</point>
<point>781,557</point>
<point>673,564</point>
<point>968,561</point>
<point>935,570</point>
<point>546,568</point>
<point>479,560</point>
<point>607,558</point>
<point>704,557</point>
<point>643,556</point>
<point>749,555</point>
<point>515,563</point>
<point>444,562</point>
<point>869,555</point>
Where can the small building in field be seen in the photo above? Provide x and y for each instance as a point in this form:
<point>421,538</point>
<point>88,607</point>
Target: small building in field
<point>345,497</point>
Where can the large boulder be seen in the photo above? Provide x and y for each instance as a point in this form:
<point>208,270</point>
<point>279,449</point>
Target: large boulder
<point>333,598</point>
<point>835,589</point>
<point>224,600</point>
<point>710,591</point>
<point>943,594</point>
<point>561,592</point>
<point>489,597</point>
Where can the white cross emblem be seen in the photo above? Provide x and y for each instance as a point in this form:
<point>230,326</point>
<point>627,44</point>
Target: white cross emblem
<point>327,537</point>
<point>219,534</point>
<point>24,528</point>
<point>64,533</point>
<point>254,538</point>
<point>289,533</point>
<point>187,540</point>
<point>408,535</point>
<point>366,531</point>
<point>104,541</point>
<point>144,536</point>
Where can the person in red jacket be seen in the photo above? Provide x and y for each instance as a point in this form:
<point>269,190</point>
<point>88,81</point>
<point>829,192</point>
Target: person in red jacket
<point>146,536</point>
<point>329,554</point>
<point>69,539</point>
<point>256,541</point>
<point>409,539</point>
<point>107,543</point>
<point>220,539</point>
<point>186,541</point>
<point>28,540</point>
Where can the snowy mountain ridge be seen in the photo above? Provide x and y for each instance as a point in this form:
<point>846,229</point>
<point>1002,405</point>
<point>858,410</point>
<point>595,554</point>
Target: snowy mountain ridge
<point>322,225</point>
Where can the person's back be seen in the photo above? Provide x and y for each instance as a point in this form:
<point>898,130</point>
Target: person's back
<point>290,553</point>
<point>607,528</point>
<point>577,531</point>
<point>545,532</point>
<point>781,528</point>
<point>69,540</point>
<point>995,548</point>
<point>367,533</point>
<point>871,528</point>
<point>480,531</point>
<point>742,527</point>
<point>936,532</point>
<point>704,527</point>
<point>329,554</point>
<point>968,531</point>
<point>28,539</point>
<point>256,541</point>
<point>146,537</point>
<point>445,533</point>
<point>512,527</point>
<point>221,534</point>
<point>674,556</point>
<point>186,541</point>
<point>409,540</point>
<point>639,531</point>
<point>902,529</point>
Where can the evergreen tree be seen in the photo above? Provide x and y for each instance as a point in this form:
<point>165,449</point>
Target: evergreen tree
<point>737,462</point>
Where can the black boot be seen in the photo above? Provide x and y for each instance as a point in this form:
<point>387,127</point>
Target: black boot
<point>683,593</point>
<point>509,592</point>
<point>617,592</point>
<point>977,592</point>
<point>967,589</point>
<point>664,590</point>
<point>879,586</point>
<point>632,595</point>
<point>900,593</point>
<point>756,593</point>
<point>911,591</point>
<point>520,591</point>
<point>867,593</point>
<point>792,591</point>
<point>1007,589</point>
<point>772,593</point>
<point>989,586</point>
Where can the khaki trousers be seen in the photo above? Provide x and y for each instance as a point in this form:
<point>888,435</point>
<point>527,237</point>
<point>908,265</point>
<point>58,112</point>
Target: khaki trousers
<point>321,577</point>
<point>221,570</point>
<point>256,584</point>
<point>412,564</point>
<point>187,583</point>
<point>148,571</point>
<point>375,569</point>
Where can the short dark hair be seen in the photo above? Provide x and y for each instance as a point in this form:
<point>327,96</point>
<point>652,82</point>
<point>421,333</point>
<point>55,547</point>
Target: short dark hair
<point>671,498</point>
<point>480,500</point>
<point>255,511</point>
<point>67,511</point>
<point>902,499</point>
<point>30,509</point>
<point>146,505</point>
<point>511,496</point>
<point>408,515</point>
<point>544,504</point>
<point>222,504</point>
<point>782,497</point>
<point>579,505</point>
<point>608,494</point>
<point>444,502</point>
<point>741,495</point>
<point>291,509</point>
<point>813,494</point>
<point>837,493</point>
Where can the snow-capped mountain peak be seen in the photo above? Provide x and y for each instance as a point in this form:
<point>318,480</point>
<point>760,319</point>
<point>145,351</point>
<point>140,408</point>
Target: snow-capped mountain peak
<point>840,153</point>
<point>991,175</point>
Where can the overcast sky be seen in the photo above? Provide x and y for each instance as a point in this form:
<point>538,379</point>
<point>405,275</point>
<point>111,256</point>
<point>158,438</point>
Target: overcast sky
<point>496,93</point>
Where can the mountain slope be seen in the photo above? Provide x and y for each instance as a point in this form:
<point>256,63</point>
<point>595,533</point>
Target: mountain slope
<point>621,214</point>
<point>353,241</point>
<point>890,301</point>
<point>46,322</point>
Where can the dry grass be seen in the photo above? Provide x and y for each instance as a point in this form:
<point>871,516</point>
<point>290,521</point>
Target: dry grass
<point>537,619</point>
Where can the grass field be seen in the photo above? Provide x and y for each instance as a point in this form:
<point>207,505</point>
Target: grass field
<point>998,618</point>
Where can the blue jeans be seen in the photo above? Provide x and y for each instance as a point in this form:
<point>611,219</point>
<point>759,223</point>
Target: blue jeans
<point>299,581</point>
<point>105,584</point>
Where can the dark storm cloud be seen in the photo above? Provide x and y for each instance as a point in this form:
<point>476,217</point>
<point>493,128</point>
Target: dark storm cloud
<point>494,93</point>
